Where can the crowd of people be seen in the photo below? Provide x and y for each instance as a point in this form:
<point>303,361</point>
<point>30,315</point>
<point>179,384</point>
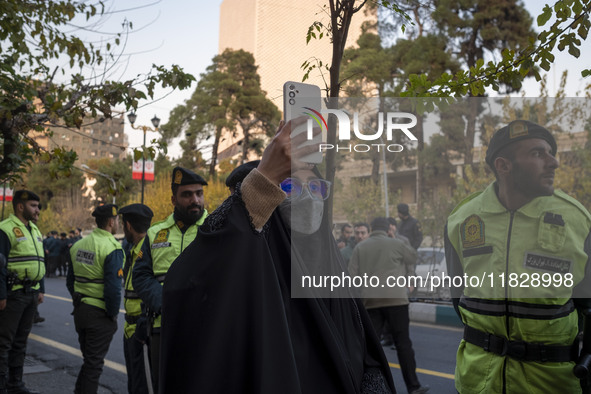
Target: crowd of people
<point>195,279</point>
<point>57,247</point>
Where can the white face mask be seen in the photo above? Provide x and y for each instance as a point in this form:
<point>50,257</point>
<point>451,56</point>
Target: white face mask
<point>303,215</point>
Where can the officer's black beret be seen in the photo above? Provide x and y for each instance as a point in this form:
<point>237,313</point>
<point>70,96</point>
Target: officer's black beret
<point>182,176</point>
<point>402,208</point>
<point>25,195</point>
<point>240,172</point>
<point>137,210</point>
<point>517,130</point>
<point>105,211</point>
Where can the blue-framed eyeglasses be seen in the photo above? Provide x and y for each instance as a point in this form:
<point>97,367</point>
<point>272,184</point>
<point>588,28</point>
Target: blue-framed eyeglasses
<point>319,188</point>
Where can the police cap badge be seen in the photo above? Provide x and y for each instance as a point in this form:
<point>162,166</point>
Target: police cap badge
<point>517,130</point>
<point>107,210</point>
<point>182,176</point>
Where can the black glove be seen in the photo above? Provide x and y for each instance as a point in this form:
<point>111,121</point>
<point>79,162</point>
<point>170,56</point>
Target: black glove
<point>141,329</point>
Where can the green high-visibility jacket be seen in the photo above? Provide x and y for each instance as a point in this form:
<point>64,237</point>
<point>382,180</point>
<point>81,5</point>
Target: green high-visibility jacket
<point>26,257</point>
<point>528,263</point>
<point>166,242</point>
<point>88,258</point>
<point>131,300</point>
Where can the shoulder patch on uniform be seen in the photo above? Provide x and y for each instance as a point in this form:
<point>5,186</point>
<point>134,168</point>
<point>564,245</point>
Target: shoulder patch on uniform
<point>162,236</point>
<point>161,240</point>
<point>18,232</point>
<point>472,232</point>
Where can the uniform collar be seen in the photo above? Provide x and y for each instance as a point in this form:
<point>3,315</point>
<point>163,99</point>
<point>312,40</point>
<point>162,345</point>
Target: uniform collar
<point>101,232</point>
<point>170,221</point>
<point>137,247</point>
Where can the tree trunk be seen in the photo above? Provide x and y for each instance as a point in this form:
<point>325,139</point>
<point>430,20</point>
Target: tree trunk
<point>214,153</point>
<point>470,131</point>
<point>10,149</point>
<point>419,133</point>
<point>245,144</point>
<point>341,13</point>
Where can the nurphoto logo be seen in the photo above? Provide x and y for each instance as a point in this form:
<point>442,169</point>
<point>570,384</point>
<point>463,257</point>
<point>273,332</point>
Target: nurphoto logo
<point>394,122</point>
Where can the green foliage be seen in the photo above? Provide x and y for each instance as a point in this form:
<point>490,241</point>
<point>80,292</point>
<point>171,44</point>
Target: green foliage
<point>120,171</point>
<point>574,174</point>
<point>41,83</point>
<point>570,27</point>
<point>228,98</point>
<point>48,181</point>
<point>65,214</point>
<point>476,178</point>
<point>433,216</point>
<point>361,200</point>
<point>436,159</point>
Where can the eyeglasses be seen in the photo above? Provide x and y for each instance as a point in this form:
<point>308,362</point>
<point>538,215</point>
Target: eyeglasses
<point>319,188</point>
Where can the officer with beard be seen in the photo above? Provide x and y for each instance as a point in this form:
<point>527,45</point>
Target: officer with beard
<point>21,287</point>
<point>164,242</point>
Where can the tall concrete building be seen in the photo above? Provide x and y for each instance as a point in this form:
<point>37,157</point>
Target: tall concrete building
<point>274,31</point>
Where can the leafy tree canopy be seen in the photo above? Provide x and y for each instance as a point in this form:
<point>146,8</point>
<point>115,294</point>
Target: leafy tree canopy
<point>566,25</point>
<point>50,76</point>
<point>228,97</point>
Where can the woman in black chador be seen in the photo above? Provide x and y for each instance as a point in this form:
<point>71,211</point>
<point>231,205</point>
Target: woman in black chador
<point>235,316</point>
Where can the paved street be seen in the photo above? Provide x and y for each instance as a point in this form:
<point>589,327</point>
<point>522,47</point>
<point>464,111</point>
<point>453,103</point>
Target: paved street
<point>54,359</point>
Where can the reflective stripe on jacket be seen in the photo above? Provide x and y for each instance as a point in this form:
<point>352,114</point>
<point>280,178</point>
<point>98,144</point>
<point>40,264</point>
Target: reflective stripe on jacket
<point>167,241</point>
<point>131,300</point>
<point>26,257</point>
<point>88,257</point>
<point>514,255</point>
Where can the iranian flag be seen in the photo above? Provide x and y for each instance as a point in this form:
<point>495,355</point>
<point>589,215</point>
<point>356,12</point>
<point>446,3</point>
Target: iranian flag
<point>5,194</point>
<point>137,170</point>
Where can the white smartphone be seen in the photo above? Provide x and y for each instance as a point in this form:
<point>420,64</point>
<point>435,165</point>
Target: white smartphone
<point>302,99</point>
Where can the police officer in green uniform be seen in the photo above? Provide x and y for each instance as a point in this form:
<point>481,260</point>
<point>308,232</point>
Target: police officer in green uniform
<point>163,244</point>
<point>22,269</point>
<point>523,250</point>
<point>94,281</point>
<point>136,221</point>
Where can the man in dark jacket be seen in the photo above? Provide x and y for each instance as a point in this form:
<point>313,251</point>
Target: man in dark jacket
<point>409,226</point>
<point>385,257</point>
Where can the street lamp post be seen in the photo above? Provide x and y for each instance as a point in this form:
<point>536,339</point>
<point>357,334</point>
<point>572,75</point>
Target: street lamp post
<point>155,122</point>
<point>88,169</point>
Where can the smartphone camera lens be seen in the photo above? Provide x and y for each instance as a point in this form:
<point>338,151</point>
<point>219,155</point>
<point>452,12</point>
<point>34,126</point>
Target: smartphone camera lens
<point>291,87</point>
<point>291,94</point>
<point>291,101</point>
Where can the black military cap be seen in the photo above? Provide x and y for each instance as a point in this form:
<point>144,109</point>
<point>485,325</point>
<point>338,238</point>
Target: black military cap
<point>25,195</point>
<point>105,211</point>
<point>137,210</point>
<point>402,208</point>
<point>182,176</point>
<point>517,130</point>
<point>240,172</point>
